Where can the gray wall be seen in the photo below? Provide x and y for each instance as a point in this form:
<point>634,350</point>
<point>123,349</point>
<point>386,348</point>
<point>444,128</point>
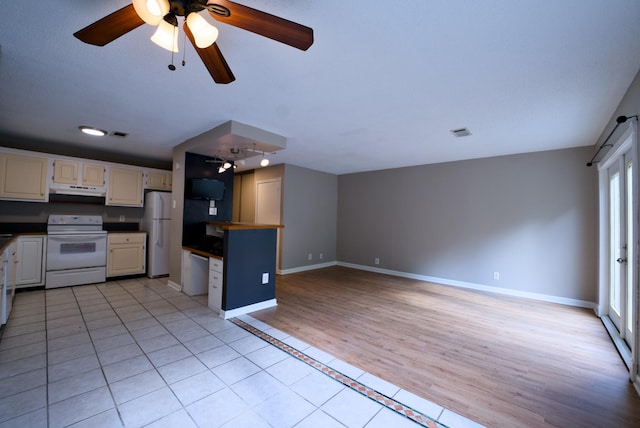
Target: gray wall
<point>531,217</point>
<point>629,106</point>
<point>310,213</point>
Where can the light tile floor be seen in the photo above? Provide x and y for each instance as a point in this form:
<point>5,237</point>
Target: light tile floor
<point>137,353</point>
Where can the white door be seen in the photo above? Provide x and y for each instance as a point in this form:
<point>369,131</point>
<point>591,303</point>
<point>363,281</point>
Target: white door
<point>268,200</point>
<point>621,246</point>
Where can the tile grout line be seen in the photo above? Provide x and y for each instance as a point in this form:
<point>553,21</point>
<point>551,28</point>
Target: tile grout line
<point>116,406</point>
<point>388,402</point>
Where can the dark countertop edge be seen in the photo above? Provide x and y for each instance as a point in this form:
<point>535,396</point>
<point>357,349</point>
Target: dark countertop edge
<point>201,253</point>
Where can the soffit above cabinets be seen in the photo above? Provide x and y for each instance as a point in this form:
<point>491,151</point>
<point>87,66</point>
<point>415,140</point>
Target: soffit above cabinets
<point>236,141</point>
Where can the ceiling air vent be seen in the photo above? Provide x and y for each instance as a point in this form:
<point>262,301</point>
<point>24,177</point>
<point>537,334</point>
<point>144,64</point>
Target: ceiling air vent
<point>461,132</point>
<point>119,134</point>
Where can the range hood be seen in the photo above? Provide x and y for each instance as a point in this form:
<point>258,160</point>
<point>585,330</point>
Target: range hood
<point>73,189</point>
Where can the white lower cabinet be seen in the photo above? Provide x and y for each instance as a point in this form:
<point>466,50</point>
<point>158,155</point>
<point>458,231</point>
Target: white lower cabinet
<point>31,261</point>
<point>126,254</point>
<point>215,283</point>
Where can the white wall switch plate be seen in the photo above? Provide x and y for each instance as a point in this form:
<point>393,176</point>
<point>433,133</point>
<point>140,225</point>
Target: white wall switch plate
<point>265,278</point>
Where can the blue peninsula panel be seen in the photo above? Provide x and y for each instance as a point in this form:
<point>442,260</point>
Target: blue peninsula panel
<point>248,254</point>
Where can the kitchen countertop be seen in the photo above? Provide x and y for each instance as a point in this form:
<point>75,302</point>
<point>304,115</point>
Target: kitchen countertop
<point>121,227</point>
<point>243,226</point>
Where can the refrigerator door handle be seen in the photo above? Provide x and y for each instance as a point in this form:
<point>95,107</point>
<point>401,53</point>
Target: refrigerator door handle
<point>158,232</point>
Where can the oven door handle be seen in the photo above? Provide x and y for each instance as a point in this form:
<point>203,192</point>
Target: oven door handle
<point>76,238</point>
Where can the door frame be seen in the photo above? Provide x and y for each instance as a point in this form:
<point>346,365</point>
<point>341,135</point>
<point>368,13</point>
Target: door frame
<point>627,142</point>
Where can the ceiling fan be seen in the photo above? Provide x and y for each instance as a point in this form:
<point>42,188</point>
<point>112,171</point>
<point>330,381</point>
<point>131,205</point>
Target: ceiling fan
<point>202,35</point>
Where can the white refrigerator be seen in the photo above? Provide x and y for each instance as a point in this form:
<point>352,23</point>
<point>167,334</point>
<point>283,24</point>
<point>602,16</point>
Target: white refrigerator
<point>156,221</point>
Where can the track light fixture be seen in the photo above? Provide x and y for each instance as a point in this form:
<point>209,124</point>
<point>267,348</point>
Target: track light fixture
<point>238,155</point>
<point>264,162</point>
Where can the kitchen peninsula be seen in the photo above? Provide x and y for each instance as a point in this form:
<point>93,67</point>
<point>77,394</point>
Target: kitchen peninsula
<point>241,267</point>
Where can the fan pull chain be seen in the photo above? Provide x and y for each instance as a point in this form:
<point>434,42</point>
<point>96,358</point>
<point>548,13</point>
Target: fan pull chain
<point>184,50</point>
<point>171,66</point>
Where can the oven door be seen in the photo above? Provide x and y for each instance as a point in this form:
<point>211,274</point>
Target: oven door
<point>73,251</point>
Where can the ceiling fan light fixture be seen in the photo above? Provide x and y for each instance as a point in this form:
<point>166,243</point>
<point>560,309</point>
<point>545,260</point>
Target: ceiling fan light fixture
<point>204,33</point>
<point>166,36</point>
<point>264,161</point>
<point>151,11</point>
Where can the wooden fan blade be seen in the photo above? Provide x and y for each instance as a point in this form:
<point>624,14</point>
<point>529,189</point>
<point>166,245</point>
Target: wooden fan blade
<point>212,59</point>
<point>110,27</point>
<point>264,24</point>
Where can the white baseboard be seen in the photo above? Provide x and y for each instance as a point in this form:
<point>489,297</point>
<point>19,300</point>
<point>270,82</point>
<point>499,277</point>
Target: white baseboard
<point>305,268</point>
<point>249,308</point>
<point>175,286</point>
<point>481,287</point>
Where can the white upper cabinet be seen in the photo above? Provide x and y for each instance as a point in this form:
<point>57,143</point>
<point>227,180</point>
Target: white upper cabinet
<point>30,176</point>
<point>158,180</point>
<point>23,177</point>
<point>125,187</point>
<point>67,172</point>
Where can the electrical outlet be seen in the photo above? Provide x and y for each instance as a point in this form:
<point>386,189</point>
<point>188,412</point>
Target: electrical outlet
<point>265,278</point>
<point>121,219</point>
<point>496,276</point>
<point>310,256</point>
<point>376,260</point>
<point>321,256</point>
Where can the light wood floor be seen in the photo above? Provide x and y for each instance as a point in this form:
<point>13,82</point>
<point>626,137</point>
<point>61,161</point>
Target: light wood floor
<point>501,361</point>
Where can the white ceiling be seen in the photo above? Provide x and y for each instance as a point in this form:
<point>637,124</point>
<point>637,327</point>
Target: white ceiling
<point>381,87</point>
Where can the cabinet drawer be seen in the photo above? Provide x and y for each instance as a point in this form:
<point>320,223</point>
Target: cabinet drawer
<point>216,265</point>
<point>129,238</point>
<point>215,279</point>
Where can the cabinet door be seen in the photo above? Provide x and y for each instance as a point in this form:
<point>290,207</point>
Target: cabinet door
<point>92,175</point>
<point>156,180</point>
<point>23,177</point>
<point>65,172</point>
<point>126,254</point>
<point>125,187</point>
<point>30,267</point>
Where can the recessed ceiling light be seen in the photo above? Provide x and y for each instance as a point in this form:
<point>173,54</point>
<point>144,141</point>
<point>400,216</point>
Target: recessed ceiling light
<point>90,130</point>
